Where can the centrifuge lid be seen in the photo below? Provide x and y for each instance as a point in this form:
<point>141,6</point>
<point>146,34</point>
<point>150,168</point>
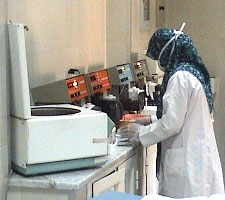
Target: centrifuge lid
<point>19,85</point>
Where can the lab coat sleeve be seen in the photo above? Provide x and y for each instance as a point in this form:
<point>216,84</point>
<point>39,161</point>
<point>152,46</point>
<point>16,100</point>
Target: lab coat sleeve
<point>175,101</point>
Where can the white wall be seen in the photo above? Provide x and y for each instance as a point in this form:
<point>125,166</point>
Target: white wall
<point>63,34</point>
<point>3,101</point>
<point>139,38</point>
<point>205,23</point>
<point>84,34</point>
<point>117,32</point>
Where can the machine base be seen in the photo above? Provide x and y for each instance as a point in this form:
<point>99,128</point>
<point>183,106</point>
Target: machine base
<point>59,166</point>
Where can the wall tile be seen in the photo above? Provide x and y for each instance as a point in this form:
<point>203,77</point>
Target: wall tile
<point>3,113</point>
<point>58,64</point>
<point>3,87</point>
<point>42,34</point>
<point>134,26</point>
<point>3,171</point>
<point>116,54</point>
<point>221,96</point>
<point>71,56</point>
<point>43,67</point>
<point>3,79</point>
<point>202,45</point>
<point>22,12</point>
<point>90,34</point>
<point>116,27</point>
<point>140,39</point>
<point>57,26</point>
<point>71,24</point>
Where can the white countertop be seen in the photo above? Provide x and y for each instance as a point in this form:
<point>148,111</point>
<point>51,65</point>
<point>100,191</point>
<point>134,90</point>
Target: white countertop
<point>74,179</point>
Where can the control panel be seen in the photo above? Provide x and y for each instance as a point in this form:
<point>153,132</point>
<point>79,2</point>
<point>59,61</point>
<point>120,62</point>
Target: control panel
<point>63,91</point>
<point>140,69</point>
<point>99,81</point>
<point>77,88</point>
<point>120,74</point>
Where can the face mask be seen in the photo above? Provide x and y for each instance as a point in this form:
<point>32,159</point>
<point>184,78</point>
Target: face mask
<point>174,38</point>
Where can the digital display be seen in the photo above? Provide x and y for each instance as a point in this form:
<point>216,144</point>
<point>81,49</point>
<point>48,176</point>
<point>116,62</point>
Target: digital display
<point>92,78</point>
<point>138,65</point>
<point>75,83</point>
<point>120,71</point>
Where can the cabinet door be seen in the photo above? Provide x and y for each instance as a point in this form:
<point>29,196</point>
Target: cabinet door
<point>114,181</point>
<point>131,175</point>
<point>20,193</point>
<point>150,183</point>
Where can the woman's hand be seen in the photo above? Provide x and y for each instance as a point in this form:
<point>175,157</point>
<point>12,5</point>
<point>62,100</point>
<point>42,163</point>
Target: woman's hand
<point>131,132</point>
<point>143,120</point>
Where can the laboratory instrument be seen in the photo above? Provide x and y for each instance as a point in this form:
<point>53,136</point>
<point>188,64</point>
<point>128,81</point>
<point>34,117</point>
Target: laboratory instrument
<point>120,74</point>
<point>49,138</point>
<point>98,81</point>
<point>139,69</point>
<point>64,91</point>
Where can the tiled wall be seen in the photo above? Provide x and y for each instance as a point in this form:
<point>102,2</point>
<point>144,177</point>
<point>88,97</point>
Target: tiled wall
<point>140,39</point>
<point>117,32</point>
<point>84,34</point>
<point>3,101</point>
<point>63,34</point>
<point>205,23</point>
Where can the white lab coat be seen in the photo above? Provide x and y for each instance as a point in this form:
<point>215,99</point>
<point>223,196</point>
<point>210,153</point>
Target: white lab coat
<point>190,164</point>
<point>159,197</point>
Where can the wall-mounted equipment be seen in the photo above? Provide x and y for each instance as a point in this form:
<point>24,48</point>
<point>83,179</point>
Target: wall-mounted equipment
<point>120,74</point>
<point>144,15</point>
<point>54,137</point>
<point>140,69</point>
<point>160,13</point>
<point>98,81</point>
<point>63,91</point>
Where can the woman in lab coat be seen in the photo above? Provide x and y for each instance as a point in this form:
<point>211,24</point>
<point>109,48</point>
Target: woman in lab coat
<point>189,163</point>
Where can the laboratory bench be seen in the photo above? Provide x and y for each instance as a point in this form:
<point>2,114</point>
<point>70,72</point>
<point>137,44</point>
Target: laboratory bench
<point>123,172</point>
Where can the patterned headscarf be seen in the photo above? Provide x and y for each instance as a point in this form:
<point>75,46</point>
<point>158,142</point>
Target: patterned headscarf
<point>184,58</point>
